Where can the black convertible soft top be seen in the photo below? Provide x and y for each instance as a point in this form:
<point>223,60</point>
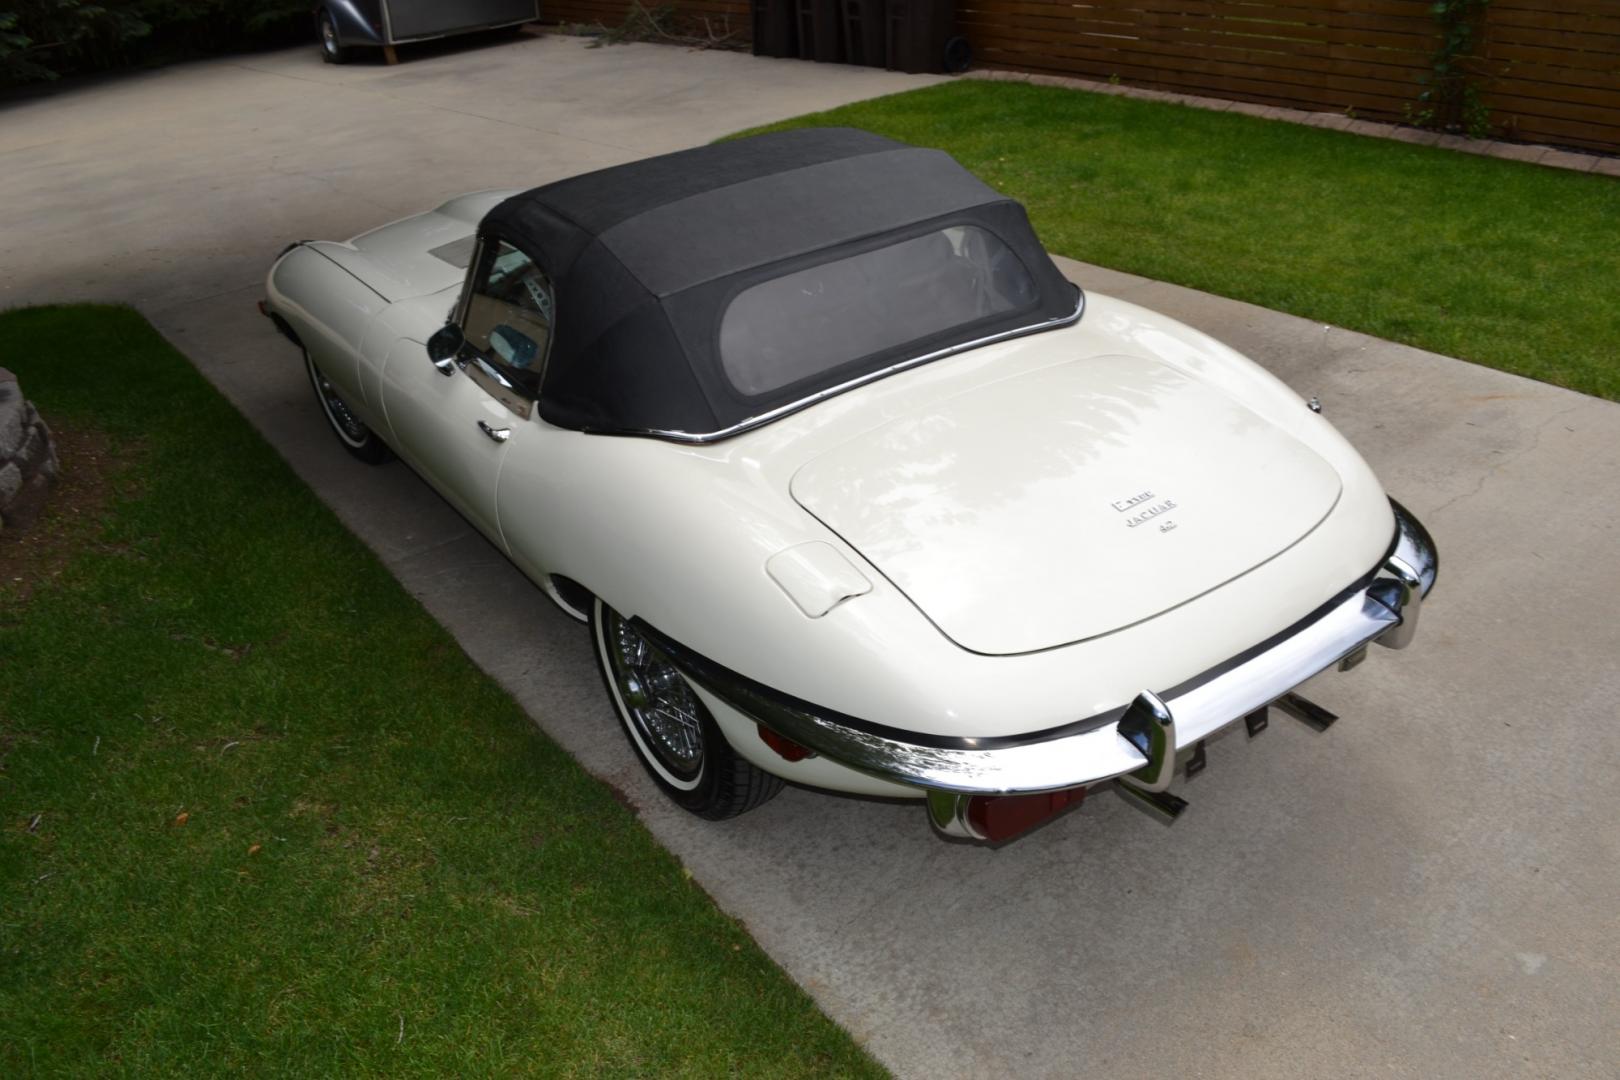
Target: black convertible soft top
<point>700,292</point>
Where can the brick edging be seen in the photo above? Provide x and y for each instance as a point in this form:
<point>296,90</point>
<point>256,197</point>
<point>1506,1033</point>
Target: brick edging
<point>1511,151</point>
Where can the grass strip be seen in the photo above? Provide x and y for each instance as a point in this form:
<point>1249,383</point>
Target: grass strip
<point>259,813</point>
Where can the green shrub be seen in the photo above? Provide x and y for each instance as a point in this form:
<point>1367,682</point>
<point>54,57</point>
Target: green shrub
<point>42,40</point>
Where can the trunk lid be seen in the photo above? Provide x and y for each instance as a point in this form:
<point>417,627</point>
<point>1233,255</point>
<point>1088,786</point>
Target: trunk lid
<point>1068,502</point>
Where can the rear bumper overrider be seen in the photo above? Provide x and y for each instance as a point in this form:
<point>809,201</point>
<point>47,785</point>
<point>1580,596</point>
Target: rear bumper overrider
<point>1138,738</point>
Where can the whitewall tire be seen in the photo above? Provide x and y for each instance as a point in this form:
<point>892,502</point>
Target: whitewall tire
<point>351,431</point>
<point>669,727</point>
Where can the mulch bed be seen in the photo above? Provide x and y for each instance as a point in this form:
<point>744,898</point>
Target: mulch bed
<point>90,467</point>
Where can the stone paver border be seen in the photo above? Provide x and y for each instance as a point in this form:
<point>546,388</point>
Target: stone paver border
<point>1539,155</point>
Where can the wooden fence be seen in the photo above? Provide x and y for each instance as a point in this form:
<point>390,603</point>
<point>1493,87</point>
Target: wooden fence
<point>1547,70</point>
<point>1552,70</point>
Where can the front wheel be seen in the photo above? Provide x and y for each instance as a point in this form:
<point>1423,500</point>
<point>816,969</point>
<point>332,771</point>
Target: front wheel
<point>332,50</point>
<point>669,727</point>
<point>352,432</point>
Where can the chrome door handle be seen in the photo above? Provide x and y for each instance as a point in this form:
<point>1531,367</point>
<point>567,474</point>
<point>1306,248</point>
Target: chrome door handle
<point>499,434</point>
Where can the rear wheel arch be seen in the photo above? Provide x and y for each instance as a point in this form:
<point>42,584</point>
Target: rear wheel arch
<point>575,599</point>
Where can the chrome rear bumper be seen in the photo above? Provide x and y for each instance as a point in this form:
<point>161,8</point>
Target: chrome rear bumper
<point>1141,737</point>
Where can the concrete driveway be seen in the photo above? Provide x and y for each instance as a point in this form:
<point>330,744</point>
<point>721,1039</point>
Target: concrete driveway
<point>1429,889</point>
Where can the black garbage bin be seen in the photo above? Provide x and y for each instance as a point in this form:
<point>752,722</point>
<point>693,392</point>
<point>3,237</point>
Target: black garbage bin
<point>863,33</point>
<point>775,28</point>
<point>922,37</point>
<point>820,36</point>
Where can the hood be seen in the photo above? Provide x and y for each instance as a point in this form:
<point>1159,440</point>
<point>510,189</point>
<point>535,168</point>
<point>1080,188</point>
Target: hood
<point>1068,502</point>
<point>414,256</point>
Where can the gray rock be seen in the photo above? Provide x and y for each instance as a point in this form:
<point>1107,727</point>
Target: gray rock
<point>34,451</point>
<point>13,420</point>
<point>28,461</point>
<point>11,481</point>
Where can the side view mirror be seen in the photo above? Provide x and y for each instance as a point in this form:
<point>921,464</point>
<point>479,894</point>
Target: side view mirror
<point>444,346</point>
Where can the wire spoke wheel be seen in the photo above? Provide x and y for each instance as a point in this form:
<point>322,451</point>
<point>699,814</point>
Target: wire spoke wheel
<point>342,416</point>
<point>351,431</point>
<point>658,700</point>
<point>673,733</point>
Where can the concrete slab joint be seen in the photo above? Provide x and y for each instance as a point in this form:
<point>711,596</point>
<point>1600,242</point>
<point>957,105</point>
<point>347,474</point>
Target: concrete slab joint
<point>28,461</point>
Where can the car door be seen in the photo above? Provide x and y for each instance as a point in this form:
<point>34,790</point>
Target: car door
<point>455,422</point>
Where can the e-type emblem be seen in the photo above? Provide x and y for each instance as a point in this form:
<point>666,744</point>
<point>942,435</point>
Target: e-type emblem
<point>1135,500</point>
<point>1144,509</point>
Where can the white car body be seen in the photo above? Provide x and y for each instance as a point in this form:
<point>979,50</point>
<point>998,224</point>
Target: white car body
<point>890,553</point>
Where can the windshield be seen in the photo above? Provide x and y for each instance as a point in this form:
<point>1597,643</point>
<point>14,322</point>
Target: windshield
<point>812,321</point>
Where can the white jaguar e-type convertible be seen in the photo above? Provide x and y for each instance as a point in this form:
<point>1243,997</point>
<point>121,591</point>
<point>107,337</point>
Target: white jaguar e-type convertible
<point>852,486</point>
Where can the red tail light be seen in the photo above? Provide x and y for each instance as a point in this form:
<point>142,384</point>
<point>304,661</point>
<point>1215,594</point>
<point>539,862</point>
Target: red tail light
<point>1001,817</point>
<point>785,748</point>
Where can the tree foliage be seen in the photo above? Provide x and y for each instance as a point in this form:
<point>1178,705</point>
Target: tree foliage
<point>42,40</point>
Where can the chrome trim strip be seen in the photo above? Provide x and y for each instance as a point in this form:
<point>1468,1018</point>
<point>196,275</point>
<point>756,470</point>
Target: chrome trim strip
<point>1206,709</point>
<point>861,380</point>
<point>1105,752</point>
<point>497,386</point>
<point>368,285</point>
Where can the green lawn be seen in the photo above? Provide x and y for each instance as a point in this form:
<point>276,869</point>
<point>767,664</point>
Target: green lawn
<point>1498,262</point>
<point>381,867</point>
